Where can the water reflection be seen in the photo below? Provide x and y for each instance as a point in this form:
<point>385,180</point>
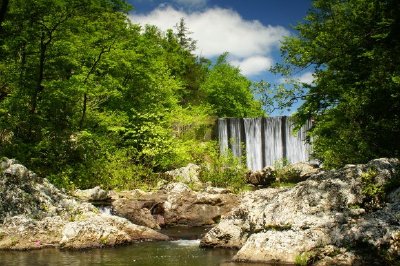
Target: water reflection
<point>172,253</point>
<point>182,250</point>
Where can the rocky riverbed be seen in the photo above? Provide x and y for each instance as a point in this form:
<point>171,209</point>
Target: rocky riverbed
<point>349,216</point>
<point>35,214</point>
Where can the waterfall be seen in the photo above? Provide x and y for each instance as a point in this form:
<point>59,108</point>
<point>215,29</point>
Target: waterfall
<point>223,135</point>
<point>273,140</point>
<point>235,136</point>
<point>298,149</point>
<point>252,129</point>
<point>266,140</point>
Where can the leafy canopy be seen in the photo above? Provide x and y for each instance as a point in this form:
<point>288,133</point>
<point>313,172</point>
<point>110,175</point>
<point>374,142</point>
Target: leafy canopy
<point>353,47</point>
<point>89,98</point>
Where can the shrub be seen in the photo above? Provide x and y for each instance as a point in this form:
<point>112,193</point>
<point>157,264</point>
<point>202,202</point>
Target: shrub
<point>224,170</point>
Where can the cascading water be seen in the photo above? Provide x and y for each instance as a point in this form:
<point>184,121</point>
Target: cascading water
<point>252,129</point>
<point>223,135</point>
<point>298,149</point>
<point>236,137</point>
<point>266,140</point>
<point>273,140</point>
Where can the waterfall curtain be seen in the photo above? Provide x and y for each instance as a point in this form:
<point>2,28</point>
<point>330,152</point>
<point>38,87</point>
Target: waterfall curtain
<point>263,140</point>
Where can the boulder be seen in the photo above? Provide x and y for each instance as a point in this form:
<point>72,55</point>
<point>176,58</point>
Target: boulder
<point>104,230</point>
<point>184,206</point>
<point>35,214</point>
<point>95,194</point>
<point>330,209</point>
<point>136,211</point>
<point>263,178</point>
<point>189,174</point>
<point>174,204</point>
<point>291,173</point>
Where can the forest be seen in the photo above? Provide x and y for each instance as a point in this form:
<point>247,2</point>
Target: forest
<point>88,97</point>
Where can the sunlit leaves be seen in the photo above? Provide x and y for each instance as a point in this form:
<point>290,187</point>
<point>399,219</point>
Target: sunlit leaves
<point>353,46</point>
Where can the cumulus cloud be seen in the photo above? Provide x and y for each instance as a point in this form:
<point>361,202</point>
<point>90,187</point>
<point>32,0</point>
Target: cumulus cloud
<point>219,30</point>
<point>306,77</point>
<point>253,65</point>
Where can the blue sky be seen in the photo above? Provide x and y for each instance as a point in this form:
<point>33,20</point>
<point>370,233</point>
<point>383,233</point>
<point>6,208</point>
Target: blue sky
<point>250,31</point>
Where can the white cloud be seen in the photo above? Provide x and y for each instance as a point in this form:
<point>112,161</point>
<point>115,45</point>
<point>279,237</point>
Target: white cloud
<point>253,65</point>
<point>191,3</point>
<point>306,78</point>
<point>219,30</point>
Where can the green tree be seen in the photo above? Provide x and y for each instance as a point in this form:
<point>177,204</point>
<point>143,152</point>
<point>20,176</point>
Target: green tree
<point>354,48</point>
<point>229,92</point>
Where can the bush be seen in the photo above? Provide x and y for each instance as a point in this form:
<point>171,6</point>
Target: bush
<point>224,170</point>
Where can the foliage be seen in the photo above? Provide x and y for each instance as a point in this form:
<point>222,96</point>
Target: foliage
<point>89,98</point>
<point>285,174</point>
<point>224,170</point>
<point>237,100</point>
<point>353,49</point>
<point>303,259</point>
<point>375,192</point>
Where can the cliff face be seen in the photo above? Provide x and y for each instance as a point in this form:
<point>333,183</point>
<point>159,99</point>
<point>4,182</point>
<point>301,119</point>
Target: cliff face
<point>35,214</point>
<point>349,216</point>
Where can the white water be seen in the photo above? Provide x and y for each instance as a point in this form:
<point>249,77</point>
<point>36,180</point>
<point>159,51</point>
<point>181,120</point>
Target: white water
<point>273,140</point>
<point>105,209</point>
<point>223,135</point>
<point>298,150</point>
<point>236,136</point>
<point>266,140</point>
<point>186,243</point>
<point>252,129</point>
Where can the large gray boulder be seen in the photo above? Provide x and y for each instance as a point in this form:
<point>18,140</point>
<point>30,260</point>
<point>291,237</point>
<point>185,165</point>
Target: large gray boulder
<point>344,209</point>
<point>35,214</point>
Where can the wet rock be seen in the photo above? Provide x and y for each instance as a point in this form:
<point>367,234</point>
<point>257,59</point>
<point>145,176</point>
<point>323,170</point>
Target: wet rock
<point>329,208</point>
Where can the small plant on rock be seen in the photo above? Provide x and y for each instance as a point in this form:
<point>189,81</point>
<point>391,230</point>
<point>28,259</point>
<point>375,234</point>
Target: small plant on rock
<point>303,259</point>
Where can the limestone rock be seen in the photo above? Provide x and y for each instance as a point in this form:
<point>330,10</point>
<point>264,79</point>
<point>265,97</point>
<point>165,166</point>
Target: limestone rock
<point>136,211</point>
<point>263,178</point>
<point>95,194</point>
<point>35,214</point>
<point>174,204</point>
<point>328,209</point>
<point>291,173</point>
<point>104,230</point>
<point>188,174</point>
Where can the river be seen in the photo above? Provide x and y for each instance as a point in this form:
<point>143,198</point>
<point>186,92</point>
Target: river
<point>182,250</point>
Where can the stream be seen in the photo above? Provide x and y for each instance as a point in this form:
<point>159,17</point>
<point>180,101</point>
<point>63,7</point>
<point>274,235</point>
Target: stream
<point>183,249</point>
